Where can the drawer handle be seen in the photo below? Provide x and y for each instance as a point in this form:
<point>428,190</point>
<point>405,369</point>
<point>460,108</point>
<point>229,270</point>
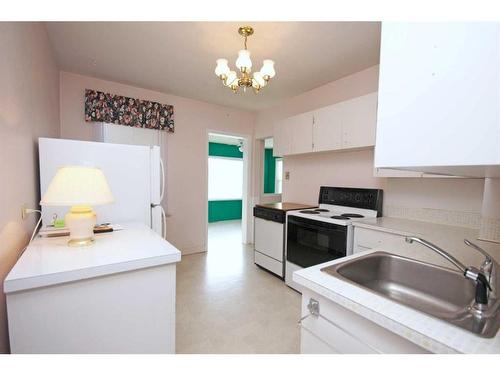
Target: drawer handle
<point>313,307</point>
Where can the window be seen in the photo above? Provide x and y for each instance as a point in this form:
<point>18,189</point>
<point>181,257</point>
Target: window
<point>225,178</point>
<point>278,184</point>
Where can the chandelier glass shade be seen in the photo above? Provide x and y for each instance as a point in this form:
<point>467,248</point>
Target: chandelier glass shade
<point>244,77</point>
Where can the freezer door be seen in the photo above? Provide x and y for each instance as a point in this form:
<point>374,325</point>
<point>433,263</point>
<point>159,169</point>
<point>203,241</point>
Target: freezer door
<point>157,176</point>
<point>126,135</point>
<point>126,167</point>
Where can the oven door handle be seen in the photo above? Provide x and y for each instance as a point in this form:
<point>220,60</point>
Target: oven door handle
<point>329,226</point>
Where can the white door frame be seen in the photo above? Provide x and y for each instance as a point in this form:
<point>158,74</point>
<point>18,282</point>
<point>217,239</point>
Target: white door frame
<point>246,213</point>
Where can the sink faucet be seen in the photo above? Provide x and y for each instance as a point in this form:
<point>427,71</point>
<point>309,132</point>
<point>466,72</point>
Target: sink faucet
<point>483,282</point>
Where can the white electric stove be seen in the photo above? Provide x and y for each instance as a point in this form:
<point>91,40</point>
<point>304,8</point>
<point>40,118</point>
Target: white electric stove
<point>323,234</point>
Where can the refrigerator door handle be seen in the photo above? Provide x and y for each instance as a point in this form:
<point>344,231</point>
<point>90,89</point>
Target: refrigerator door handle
<point>162,193</point>
<point>164,224</point>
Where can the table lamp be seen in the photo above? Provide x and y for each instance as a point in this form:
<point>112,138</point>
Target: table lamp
<point>79,187</point>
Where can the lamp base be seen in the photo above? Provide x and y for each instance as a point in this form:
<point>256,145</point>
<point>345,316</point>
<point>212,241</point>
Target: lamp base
<point>81,242</point>
<point>80,221</point>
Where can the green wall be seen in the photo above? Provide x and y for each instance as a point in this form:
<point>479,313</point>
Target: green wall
<point>269,171</point>
<point>229,209</point>
<point>224,210</point>
<point>219,149</point>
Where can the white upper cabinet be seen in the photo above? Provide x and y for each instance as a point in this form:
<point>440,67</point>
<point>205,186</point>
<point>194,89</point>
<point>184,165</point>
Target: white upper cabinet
<point>327,128</point>
<point>345,125</point>
<point>300,128</point>
<point>439,98</point>
<point>281,139</point>
<point>359,121</point>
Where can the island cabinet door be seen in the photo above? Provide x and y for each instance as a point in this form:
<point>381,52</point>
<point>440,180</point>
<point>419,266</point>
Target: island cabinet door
<point>125,313</point>
<point>339,330</point>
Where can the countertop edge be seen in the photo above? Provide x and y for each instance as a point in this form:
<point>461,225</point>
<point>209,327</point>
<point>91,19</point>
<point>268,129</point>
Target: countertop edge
<point>28,283</point>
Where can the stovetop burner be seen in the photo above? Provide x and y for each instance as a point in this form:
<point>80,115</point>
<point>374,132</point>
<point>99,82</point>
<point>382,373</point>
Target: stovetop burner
<point>321,210</point>
<point>339,217</point>
<point>309,212</point>
<point>348,215</point>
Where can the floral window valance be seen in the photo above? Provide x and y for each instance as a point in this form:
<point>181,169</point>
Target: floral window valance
<point>121,110</point>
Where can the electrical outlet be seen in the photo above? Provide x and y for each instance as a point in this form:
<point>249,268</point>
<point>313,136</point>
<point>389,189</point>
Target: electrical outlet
<point>287,175</point>
<point>25,211</point>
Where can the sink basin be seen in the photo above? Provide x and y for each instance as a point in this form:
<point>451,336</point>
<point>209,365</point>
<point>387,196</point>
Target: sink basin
<point>437,291</point>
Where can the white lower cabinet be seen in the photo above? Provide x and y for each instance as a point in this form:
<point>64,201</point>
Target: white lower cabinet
<point>339,330</point>
<point>312,344</point>
<point>367,239</point>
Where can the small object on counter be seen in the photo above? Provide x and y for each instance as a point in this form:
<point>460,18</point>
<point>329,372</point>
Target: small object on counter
<point>103,228</point>
<point>59,223</point>
<point>51,231</point>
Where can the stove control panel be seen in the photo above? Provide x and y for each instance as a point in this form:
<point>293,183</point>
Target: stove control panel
<point>370,199</point>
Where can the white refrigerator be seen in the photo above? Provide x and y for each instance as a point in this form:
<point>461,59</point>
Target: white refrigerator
<point>135,175</point>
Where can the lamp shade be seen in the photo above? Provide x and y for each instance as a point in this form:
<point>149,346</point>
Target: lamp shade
<point>243,61</point>
<point>222,69</point>
<point>77,185</point>
<point>268,68</point>
<point>232,79</point>
<point>259,79</point>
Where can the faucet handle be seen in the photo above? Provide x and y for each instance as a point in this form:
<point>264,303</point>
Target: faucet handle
<point>488,260</point>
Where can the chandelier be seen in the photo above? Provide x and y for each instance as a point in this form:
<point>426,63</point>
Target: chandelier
<point>233,80</point>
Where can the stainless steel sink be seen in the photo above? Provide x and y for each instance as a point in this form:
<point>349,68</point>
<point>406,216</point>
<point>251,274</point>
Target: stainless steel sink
<point>440,292</point>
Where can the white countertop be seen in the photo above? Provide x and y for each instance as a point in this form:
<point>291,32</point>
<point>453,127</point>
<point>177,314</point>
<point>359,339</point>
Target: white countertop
<point>431,333</point>
<point>49,261</point>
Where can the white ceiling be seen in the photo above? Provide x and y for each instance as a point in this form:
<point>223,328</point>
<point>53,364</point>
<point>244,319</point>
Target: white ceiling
<point>179,57</point>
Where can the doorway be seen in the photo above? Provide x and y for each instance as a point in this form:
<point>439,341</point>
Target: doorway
<point>227,192</point>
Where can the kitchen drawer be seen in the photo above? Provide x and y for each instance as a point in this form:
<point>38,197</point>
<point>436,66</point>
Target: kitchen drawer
<point>347,332</point>
<point>269,263</point>
<point>366,239</point>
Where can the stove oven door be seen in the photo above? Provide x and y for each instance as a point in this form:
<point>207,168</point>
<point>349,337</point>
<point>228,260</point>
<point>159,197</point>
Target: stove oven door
<point>311,242</point>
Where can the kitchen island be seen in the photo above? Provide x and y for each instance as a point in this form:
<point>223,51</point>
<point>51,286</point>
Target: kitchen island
<point>116,296</point>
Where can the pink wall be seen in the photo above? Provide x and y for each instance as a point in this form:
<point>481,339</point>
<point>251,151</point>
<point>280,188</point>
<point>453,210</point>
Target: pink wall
<point>309,172</point>
<point>186,149</point>
<point>29,108</point>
